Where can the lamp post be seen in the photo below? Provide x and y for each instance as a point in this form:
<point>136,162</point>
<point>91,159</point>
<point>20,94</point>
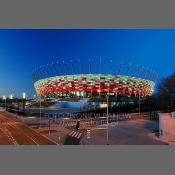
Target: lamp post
<point>23,102</point>
<point>40,110</point>
<point>11,98</point>
<point>107,117</point>
<point>4,98</point>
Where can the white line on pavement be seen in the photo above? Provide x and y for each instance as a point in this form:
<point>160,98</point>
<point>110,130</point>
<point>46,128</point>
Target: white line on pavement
<point>79,135</point>
<point>74,134</point>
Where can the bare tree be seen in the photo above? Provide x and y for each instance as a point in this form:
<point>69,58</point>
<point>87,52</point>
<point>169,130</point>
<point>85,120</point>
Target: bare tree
<point>166,92</point>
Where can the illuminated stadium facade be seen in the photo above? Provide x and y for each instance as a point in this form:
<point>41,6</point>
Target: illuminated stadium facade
<point>73,79</point>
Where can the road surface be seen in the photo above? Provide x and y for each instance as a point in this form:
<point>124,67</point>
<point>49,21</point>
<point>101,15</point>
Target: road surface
<point>13,132</point>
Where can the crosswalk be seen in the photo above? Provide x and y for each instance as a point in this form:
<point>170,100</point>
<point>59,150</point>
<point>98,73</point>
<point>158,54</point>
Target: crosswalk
<point>75,134</point>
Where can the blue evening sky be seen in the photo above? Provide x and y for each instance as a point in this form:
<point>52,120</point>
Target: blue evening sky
<point>23,50</point>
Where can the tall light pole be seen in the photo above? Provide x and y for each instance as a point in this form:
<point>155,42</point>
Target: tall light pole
<point>23,101</point>
<point>107,117</point>
<point>11,98</point>
<point>24,98</point>
<point>40,110</point>
<point>4,98</point>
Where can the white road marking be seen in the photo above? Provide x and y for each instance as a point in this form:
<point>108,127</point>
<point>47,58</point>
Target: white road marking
<point>74,134</point>
<point>79,135</point>
<point>71,133</point>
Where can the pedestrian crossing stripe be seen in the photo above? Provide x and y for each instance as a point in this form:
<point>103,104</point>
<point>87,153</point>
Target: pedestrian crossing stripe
<point>75,134</point>
<point>71,133</point>
<point>79,135</point>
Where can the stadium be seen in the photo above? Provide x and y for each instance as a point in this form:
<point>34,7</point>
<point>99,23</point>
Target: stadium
<point>92,78</point>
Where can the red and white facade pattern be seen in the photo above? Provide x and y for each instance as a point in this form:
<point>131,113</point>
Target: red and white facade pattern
<point>82,85</point>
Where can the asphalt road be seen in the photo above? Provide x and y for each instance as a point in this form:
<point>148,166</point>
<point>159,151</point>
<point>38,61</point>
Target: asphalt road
<point>13,132</point>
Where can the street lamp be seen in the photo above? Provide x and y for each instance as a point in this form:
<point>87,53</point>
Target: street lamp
<point>24,95</point>
<point>40,109</point>
<point>23,101</point>
<point>4,98</point>
<point>11,98</point>
<point>107,113</point>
